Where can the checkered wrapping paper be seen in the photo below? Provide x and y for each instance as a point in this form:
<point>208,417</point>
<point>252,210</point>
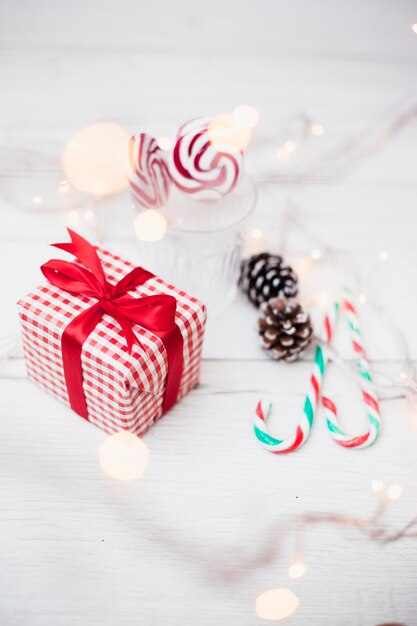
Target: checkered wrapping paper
<point>123,391</point>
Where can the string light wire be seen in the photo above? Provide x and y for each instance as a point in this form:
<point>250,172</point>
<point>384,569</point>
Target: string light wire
<point>406,383</point>
<point>375,528</point>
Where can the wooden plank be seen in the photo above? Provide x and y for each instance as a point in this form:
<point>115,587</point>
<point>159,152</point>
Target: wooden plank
<point>194,542</point>
<point>357,30</point>
<point>79,544</point>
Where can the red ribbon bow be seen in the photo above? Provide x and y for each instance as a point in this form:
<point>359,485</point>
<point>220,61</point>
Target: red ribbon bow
<point>155,313</point>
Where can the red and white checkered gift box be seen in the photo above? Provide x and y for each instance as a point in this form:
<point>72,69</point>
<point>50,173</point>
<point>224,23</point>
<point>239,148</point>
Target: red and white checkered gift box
<point>123,391</point>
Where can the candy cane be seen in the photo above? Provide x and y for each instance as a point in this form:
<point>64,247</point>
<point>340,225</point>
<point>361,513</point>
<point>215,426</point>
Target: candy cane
<point>368,393</point>
<point>263,409</point>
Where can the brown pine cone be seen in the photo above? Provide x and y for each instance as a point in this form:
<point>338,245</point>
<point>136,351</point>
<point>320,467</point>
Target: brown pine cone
<point>265,276</point>
<point>285,329</point>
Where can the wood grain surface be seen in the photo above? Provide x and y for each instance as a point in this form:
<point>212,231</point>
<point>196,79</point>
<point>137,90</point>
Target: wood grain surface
<point>196,540</point>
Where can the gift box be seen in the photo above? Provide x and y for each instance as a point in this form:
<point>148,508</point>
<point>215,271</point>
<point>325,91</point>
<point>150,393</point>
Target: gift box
<point>113,341</point>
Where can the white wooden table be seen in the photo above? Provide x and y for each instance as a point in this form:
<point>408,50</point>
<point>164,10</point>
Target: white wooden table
<point>77,548</point>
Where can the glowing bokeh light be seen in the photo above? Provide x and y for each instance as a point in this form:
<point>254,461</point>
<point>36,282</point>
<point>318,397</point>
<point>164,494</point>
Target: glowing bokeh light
<point>317,129</point>
<point>94,159</point>
<point>123,456</point>
<point>323,298</point>
<point>414,27</point>
<point>383,255</point>
<point>73,218</point>
<point>88,215</point>
<point>276,604</point>
<point>290,146</point>
<point>77,217</point>
<point>225,136</point>
<point>64,187</point>
<point>316,254</point>
<point>257,233</point>
<point>362,298</point>
<point>37,199</point>
<point>394,491</point>
<point>377,485</point>
<point>245,116</point>
<point>298,569</point>
<point>150,225</point>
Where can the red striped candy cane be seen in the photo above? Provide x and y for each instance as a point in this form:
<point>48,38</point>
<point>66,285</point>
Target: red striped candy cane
<point>303,429</point>
<point>368,392</point>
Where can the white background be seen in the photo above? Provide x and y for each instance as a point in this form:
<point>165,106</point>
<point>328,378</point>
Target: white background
<point>77,548</point>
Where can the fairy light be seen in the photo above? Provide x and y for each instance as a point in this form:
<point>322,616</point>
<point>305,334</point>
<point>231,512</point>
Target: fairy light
<point>276,604</point>
<point>394,491</point>
<point>164,143</point>
<point>297,569</point>
<point>346,154</point>
<point>123,456</point>
<point>284,152</point>
<point>89,215</point>
<point>73,217</point>
<point>290,146</point>
<point>257,233</point>
<point>245,116</point>
<point>377,485</point>
<point>94,159</point>
<point>225,136</point>
<point>77,217</point>
<point>64,187</point>
<point>150,225</point>
<point>323,298</point>
<point>414,27</point>
<point>317,129</point>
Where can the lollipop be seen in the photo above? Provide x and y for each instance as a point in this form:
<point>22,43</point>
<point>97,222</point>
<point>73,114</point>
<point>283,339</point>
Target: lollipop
<point>148,173</point>
<point>198,165</point>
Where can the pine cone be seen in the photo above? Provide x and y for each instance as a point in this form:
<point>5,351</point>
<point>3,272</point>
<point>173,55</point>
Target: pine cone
<point>265,276</point>
<point>285,329</point>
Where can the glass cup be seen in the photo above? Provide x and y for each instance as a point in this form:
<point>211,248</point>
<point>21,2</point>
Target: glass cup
<point>202,248</point>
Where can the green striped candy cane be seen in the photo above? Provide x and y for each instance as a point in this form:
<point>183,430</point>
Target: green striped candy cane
<point>303,428</point>
<point>369,396</point>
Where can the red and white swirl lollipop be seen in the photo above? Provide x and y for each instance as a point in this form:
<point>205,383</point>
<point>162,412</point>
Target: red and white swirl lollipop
<point>148,172</point>
<point>199,166</point>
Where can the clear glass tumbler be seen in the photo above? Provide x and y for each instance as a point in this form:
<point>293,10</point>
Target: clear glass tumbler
<point>202,248</point>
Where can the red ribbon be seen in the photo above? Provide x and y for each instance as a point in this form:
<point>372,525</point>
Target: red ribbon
<point>155,313</point>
